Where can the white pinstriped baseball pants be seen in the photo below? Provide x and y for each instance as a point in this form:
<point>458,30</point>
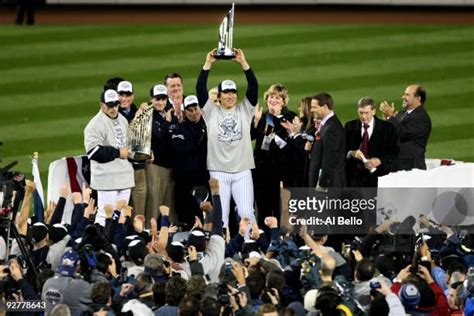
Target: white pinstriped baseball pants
<point>109,197</point>
<point>240,185</point>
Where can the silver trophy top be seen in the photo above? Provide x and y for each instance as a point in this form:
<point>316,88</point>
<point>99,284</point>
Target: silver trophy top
<point>226,29</point>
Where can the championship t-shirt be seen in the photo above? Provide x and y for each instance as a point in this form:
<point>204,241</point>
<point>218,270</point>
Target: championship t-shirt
<point>229,145</point>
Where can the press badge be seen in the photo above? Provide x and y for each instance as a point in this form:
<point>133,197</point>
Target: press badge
<point>267,139</point>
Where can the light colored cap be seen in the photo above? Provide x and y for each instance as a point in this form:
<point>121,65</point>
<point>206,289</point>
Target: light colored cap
<point>159,89</point>
<point>178,244</point>
<point>227,85</point>
<point>190,100</point>
<point>125,86</point>
<point>110,96</point>
<point>198,233</point>
<point>254,254</point>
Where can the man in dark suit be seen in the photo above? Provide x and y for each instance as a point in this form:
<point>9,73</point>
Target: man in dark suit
<point>371,146</point>
<point>413,126</point>
<point>326,168</point>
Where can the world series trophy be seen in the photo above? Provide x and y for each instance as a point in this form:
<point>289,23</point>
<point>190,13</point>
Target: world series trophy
<point>224,46</point>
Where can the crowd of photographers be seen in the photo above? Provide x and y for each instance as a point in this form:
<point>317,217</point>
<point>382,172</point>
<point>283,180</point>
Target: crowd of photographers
<point>124,269</point>
<point>117,260</point>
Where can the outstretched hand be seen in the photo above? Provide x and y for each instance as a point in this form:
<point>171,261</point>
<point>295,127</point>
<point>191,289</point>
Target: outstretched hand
<point>240,58</point>
<point>214,185</point>
<point>288,126</point>
<point>271,222</point>
<point>90,209</point>
<point>388,110</point>
<point>243,225</point>
<point>258,114</point>
<point>210,59</point>
<point>30,186</point>
<point>239,55</point>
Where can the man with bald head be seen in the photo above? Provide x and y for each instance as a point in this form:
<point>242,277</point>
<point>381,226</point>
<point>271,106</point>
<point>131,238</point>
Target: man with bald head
<point>326,270</point>
<point>413,126</point>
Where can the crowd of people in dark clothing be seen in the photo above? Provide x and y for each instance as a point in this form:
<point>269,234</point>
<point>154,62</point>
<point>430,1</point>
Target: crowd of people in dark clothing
<point>160,235</point>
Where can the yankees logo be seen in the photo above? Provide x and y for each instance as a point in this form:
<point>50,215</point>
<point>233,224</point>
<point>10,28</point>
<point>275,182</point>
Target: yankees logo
<point>229,128</point>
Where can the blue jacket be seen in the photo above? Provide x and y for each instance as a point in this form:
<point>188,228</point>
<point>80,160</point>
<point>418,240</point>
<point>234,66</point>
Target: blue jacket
<point>189,141</point>
<point>161,141</point>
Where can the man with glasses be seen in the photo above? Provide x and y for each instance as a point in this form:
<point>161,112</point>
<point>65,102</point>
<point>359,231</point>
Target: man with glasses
<point>105,140</point>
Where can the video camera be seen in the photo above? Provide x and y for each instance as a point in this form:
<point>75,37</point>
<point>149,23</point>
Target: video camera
<point>9,181</point>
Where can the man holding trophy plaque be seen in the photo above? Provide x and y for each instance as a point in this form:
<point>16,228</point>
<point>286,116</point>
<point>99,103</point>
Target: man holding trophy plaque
<point>230,154</point>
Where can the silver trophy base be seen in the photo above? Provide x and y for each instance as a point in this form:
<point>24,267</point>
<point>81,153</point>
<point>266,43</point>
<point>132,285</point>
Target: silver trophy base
<point>141,157</point>
<point>224,54</point>
<point>140,153</point>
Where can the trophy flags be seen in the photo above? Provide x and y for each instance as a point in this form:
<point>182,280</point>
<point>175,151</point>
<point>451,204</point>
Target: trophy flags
<point>226,30</point>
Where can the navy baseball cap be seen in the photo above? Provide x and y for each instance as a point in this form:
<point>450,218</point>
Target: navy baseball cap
<point>176,251</point>
<point>37,232</point>
<point>57,232</point>
<point>197,238</point>
<point>69,263</point>
<point>409,296</point>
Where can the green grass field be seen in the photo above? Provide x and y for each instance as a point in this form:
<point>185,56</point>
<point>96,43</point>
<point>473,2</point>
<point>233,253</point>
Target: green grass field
<point>51,76</point>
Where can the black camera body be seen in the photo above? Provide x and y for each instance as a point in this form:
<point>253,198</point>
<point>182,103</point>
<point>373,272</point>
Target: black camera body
<point>281,118</point>
<point>123,276</point>
<point>265,297</point>
<point>223,294</point>
<point>10,287</point>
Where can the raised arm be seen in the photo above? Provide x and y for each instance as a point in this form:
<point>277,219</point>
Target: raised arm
<point>25,208</point>
<point>201,84</point>
<point>217,209</point>
<point>252,83</point>
<point>57,215</point>
<point>164,231</point>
